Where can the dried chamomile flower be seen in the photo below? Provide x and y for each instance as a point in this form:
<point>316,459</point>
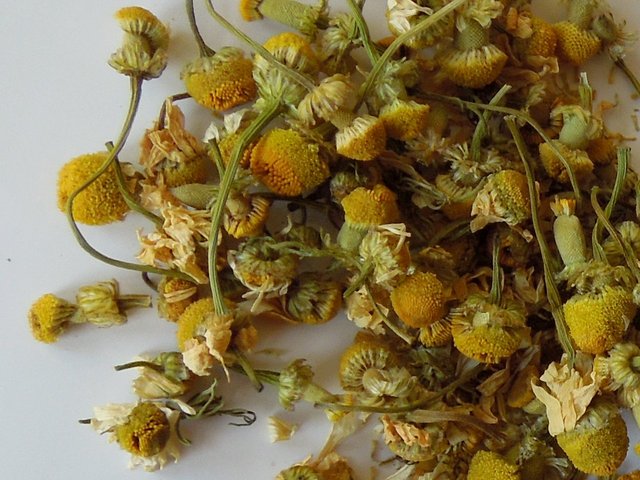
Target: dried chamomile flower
<point>288,163</point>
<point>102,304</point>
<point>295,383</point>
<point>630,234</point>
<point>395,382</point>
<point>411,442</point>
<point>144,50</point>
<point>488,332</point>
<point>419,300</point>
<point>569,391</point>
<point>304,18</point>
<point>171,151</point>
<point>262,268</point>
<point>460,197</point>
<point>336,42</point>
<point>393,81</point>
<point>164,376</point>
<point>363,359</point>
<point>366,311</point>
<point>221,81</point>
<point>385,249</point>
<point>332,94</point>
<point>577,43</point>
<point>402,15</point>
<point>313,300</point>
<point>598,444</point>
<point>365,208</point>
<point>280,430</point>
<point>101,201</point>
<point>621,367</point>
<point>405,120</point>
<point>174,296</point>
<point>542,41</point>
<point>504,198</point>
<point>578,160</point>
<point>492,465</point>
<point>49,317</point>
<point>361,137</point>
<point>568,234</point>
<point>245,215</point>
<point>147,431</point>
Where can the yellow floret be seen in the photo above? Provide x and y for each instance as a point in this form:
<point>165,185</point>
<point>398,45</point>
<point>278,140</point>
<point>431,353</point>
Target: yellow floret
<point>192,318</point>
<point>599,321</point>
<point>360,357</point>
<point>542,41</point>
<point>597,449</point>
<point>174,296</point>
<point>635,475</point>
<point>98,204</point>
<point>220,84</point>
<point>146,431</point>
<point>575,44</point>
<point>249,10</point>
<point>363,139</point>
<point>192,170</point>
<point>491,466</point>
<point>486,343</point>
<point>474,68</point>
<point>405,120</point>
<point>504,198</point>
<point>140,21</point>
<point>419,300</point>
<point>228,143</point>
<point>246,215</point>
<point>578,160</point>
<point>288,163</point>
<point>48,317</point>
<point>437,334</point>
<point>292,45</point>
<point>366,207</point>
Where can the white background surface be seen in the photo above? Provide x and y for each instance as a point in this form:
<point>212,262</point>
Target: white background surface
<point>61,99</point>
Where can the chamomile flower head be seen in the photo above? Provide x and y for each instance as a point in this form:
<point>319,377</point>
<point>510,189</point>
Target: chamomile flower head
<point>576,45</point>
<point>402,15</point>
<point>630,234</point>
<point>492,465</point>
<point>144,50</point>
<point>419,300</point>
<point>192,319</point>
<point>386,248</point>
<point>362,137</point>
<point>473,68</point>
<point>366,207</point>
<point>363,358</point>
<point>487,332</point>
<point>542,41</point>
<point>313,301</point>
<point>336,42</point>
<point>101,202</point>
<point>504,198</point>
<point>221,81</point>
<point>246,215</point>
<point>174,296</point>
<point>293,380</point>
<point>437,334</point>
<point>598,321</point>
<point>249,10</point>
<point>599,442</point>
<point>291,49</point>
<point>405,120</point>
<point>288,163</point>
<point>460,197</point>
<point>295,14</point>
<point>102,304</point>
<point>621,366</point>
<point>332,94</point>
<point>49,317</point>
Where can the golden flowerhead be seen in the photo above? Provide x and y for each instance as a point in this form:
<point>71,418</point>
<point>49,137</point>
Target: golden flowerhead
<point>287,163</point>
<point>487,332</point>
<point>599,442</point>
<point>405,120</point>
<point>575,44</point>
<point>361,137</point>
<point>578,160</point>
<point>332,94</point>
<point>419,300</point>
<point>598,321</point>
<point>246,215</point>
<point>192,318</point>
<point>313,300</point>
<point>146,431</point>
<point>485,465</point>
<point>361,357</point>
<point>366,207</point>
<point>221,81</point>
<point>622,367</point>
<point>101,202</point>
<point>174,296</point>
<point>49,316</point>
<point>504,198</point>
<point>542,41</point>
<point>144,50</point>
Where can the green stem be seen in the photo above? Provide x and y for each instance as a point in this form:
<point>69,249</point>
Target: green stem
<point>263,52</point>
<point>496,275</point>
<point>397,44</point>
<point>622,65</point>
<point>205,51</point>
<point>365,37</point>
<point>214,150</point>
<point>523,116</point>
<point>136,84</point>
<point>270,111</point>
<point>480,132</point>
<point>139,364</point>
<point>548,262</point>
<point>248,369</point>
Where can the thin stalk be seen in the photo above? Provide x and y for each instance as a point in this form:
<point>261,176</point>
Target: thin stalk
<point>356,11</point>
<point>399,41</point>
<point>621,174</point>
<point>139,364</point>
<point>217,157</point>
<point>480,132</point>
<point>136,87</point>
<point>163,109</point>
<point>248,369</point>
<point>263,52</point>
<point>553,295</point>
<point>622,65</point>
<point>527,118</point>
<point>496,275</point>
<point>205,51</point>
<point>269,113</point>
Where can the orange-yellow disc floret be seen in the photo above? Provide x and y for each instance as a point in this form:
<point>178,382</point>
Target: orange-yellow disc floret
<point>366,207</point>
<point>490,465</point>
<point>228,143</point>
<point>405,120</point>
<point>249,10</point>
<point>543,40</point>
<point>175,295</point>
<point>419,300</point>
<point>293,44</point>
<point>192,318</point>
<point>101,202</point>
<point>475,68</point>
<point>146,431</point>
<point>597,322</point>
<point>288,163</point>
<point>580,163</point>
<point>364,139</point>
<point>48,317</point>
<point>575,44</point>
